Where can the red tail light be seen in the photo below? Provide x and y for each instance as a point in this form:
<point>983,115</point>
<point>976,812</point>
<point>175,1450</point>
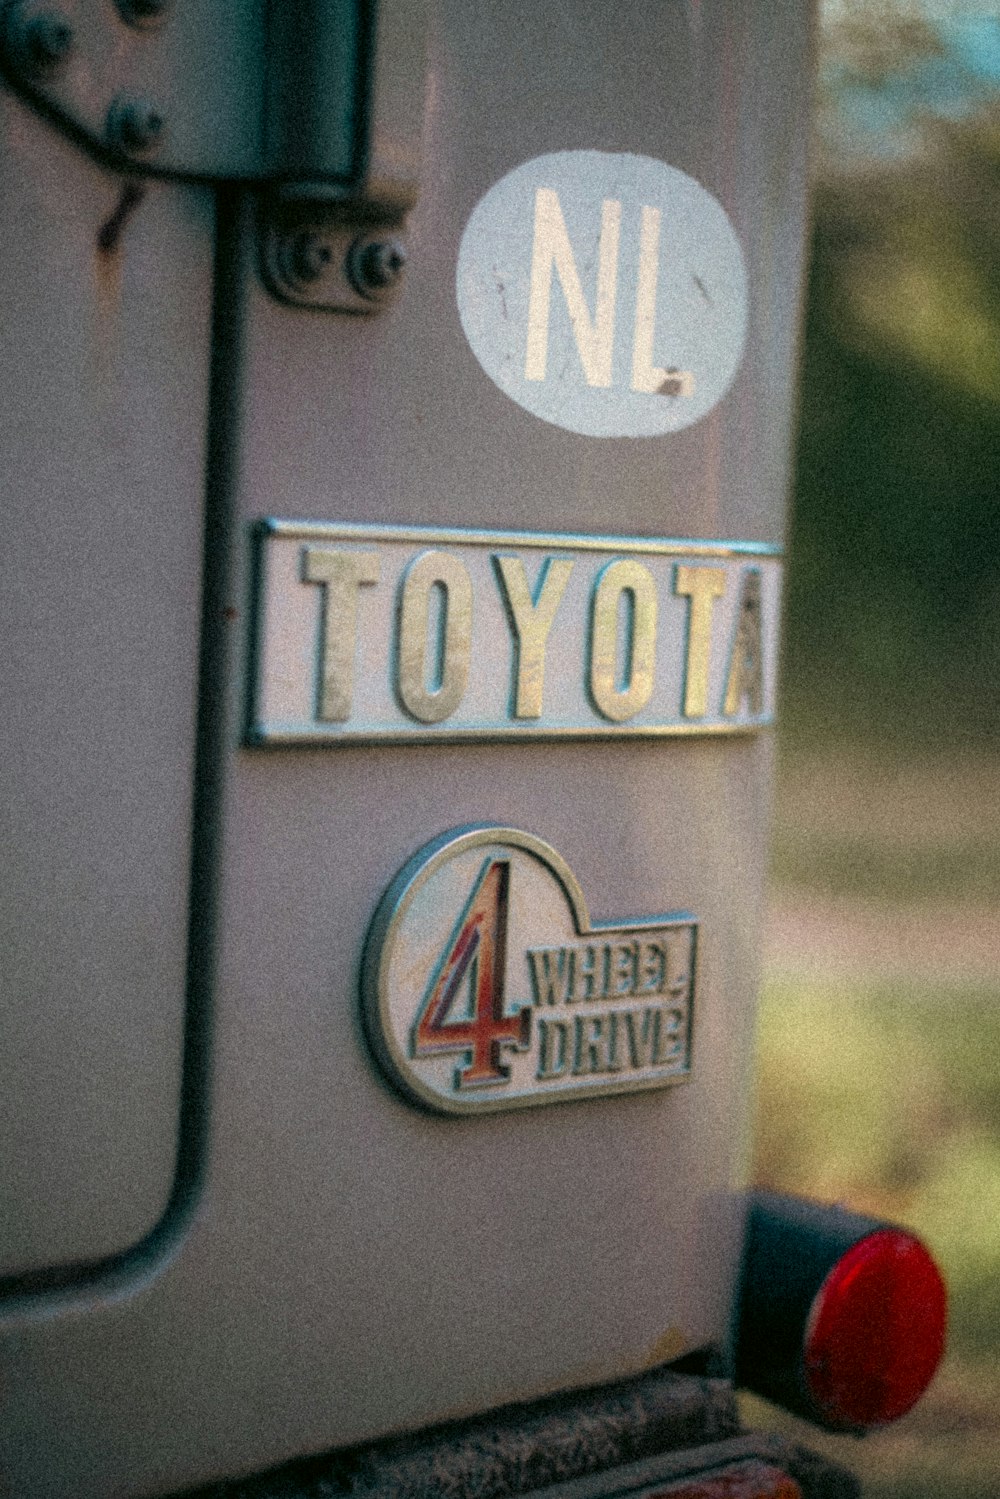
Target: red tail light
<point>876,1331</point>
<point>842,1318</point>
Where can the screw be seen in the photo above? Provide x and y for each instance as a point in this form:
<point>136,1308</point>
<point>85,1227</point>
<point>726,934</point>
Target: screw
<point>306,255</point>
<point>142,12</point>
<point>45,41</point>
<point>376,265</point>
<point>135,125</point>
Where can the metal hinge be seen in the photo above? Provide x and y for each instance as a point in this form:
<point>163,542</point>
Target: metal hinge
<point>319,103</point>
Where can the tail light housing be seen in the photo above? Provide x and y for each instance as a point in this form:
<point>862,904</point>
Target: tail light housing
<point>842,1318</point>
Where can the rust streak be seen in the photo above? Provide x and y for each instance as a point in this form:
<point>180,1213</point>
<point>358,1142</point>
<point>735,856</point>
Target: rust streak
<point>110,233</point>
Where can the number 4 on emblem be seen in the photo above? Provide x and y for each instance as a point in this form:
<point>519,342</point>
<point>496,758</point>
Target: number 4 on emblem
<point>477,952</point>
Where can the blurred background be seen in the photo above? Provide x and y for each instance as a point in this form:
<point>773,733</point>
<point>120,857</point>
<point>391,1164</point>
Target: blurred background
<point>879,1043</point>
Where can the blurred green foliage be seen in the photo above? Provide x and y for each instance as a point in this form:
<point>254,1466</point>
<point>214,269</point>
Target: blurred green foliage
<point>893,616</point>
<point>870,871</point>
<point>879,1092</point>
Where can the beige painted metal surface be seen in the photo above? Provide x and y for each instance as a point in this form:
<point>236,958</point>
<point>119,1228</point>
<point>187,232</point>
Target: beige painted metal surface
<point>353,1266</point>
<point>103,389</point>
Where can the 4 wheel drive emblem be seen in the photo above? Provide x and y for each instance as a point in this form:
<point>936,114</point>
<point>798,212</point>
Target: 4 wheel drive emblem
<point>485,985</point>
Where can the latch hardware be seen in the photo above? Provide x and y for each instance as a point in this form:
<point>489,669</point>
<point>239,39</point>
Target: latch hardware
<point>331,260</point>
<point>319,103</point>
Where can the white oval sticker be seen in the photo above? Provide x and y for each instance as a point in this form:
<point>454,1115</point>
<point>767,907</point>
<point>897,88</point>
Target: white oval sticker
<point>604,293</point>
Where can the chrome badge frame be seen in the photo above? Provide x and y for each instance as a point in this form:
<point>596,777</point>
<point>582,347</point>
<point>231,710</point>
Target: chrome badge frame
<point>485,985</point>
<point>397,634</point>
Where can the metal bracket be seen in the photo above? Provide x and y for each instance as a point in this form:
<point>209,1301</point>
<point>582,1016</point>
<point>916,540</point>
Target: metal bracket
<point>331,260</point>
<point>144,82</point>
<point>320,103</point>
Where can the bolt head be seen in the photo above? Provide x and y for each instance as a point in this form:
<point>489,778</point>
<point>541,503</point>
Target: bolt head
<point>135,125</point>
<point>142,12</point>
<point>376,265</point>
<point>307,255</point>
<point>46,40</point>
